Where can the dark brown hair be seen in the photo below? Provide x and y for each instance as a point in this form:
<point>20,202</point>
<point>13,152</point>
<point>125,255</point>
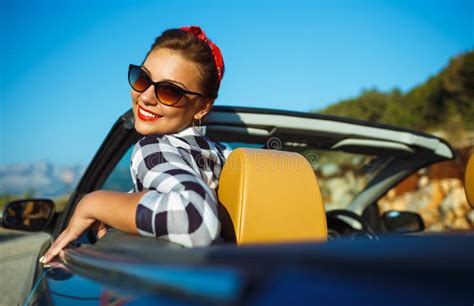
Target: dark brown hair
<point>195,50</point>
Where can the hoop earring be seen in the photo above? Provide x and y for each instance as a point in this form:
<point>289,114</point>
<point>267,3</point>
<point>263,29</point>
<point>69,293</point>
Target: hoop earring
<point>196,127</point>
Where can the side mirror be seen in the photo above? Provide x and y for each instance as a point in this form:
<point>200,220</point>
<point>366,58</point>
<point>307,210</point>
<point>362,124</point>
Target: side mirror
<point>402,222</point>
<point>31,215</point>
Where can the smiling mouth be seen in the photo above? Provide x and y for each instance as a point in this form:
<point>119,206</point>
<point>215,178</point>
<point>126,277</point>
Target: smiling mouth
<point>146,115</point>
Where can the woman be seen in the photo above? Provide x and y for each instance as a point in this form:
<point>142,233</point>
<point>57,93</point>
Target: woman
<point>175,168</point>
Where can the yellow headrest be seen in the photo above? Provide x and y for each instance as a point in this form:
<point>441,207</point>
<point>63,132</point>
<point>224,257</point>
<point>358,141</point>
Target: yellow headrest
<point>469,181</point>
<point>270,196</point>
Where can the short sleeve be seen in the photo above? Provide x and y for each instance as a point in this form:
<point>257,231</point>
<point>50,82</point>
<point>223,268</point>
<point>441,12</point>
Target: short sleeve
<point>179,206</point>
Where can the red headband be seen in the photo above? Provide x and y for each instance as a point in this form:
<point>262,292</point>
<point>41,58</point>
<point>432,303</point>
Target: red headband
<point>216,52</point>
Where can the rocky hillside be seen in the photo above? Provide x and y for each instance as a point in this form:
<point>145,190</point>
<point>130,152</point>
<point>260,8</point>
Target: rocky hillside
<point>444,106</point>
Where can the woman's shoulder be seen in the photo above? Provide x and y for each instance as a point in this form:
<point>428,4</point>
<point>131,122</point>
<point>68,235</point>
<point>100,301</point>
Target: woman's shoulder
<point>149,143</point>
<point>168,145</point>
<point>161,141</point>
<point>153,149</point>
<point>155,145</point>
<point>149,140</point>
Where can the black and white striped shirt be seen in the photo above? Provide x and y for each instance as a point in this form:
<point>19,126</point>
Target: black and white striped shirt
<point>181,173</point>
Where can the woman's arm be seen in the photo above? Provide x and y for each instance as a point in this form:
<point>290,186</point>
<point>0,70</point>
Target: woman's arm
<point>176,203</point>
<point>116,209</point>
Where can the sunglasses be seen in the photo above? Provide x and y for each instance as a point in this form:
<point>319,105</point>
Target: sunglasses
<point>166,93</point>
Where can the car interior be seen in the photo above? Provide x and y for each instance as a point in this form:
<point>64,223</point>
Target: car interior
<point>294,207</point>
<point>278,183</point>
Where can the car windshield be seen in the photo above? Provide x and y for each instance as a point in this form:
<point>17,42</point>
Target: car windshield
<point>341,175</point>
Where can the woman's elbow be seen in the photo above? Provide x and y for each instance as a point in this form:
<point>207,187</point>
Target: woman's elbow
<point>205,234</point>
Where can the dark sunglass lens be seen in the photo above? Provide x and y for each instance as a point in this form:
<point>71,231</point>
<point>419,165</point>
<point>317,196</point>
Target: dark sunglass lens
<point>168,94</point>
<point>138,79</point>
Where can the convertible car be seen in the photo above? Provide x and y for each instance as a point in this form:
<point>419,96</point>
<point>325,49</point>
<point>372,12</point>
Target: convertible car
<point>300,224</point>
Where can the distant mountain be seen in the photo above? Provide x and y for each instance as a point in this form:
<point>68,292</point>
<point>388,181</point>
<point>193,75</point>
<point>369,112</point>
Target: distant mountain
<point>444,102</point>
<point>40,179</point>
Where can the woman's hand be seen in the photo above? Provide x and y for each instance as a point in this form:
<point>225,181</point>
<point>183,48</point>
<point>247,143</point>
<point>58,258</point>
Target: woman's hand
<point>80,221</point>
<point>95,210</point>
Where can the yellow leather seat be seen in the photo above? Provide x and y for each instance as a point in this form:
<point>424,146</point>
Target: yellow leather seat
<point>270,196</point>
<point>469,181</point>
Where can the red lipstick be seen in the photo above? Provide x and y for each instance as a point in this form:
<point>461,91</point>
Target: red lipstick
<point>146,115</point>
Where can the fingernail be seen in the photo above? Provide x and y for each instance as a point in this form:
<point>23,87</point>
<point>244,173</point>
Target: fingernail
<point>41,259</point>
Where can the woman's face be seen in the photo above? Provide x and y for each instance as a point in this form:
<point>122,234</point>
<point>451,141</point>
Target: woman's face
<point>161,65</point>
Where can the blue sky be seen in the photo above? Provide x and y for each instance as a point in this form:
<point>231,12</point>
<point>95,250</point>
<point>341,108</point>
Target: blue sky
<point>64,63</point>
